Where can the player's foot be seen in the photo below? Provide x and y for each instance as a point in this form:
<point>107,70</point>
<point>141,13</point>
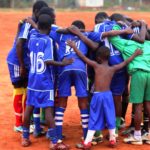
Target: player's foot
<point>98,139</point>
<point>108,137</point>
<point>59,146</point>
<point>47,136</point>
<point>128,131</point>
<point>146,138</point>
<point>39,133</point>
<point>132,140</point>
<point>112,143</point>
<point>25,142</point>
<point>18,129</point>
<point>122,125</point>
<point>84,146</point>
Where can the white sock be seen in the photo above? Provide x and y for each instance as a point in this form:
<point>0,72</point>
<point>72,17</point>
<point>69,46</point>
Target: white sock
<point>112,134</point>
<point>137,134</point>
<point>89,136</point>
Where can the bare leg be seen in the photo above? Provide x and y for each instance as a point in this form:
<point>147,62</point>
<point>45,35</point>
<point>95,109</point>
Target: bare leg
<point>28,112</point>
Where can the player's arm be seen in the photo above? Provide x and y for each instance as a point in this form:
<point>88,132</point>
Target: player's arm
<point>21,40</point>
<point>141,36</point>
<point>124,63</point>
<point>19,49</point>
<point>57,63</point>
<point>148,34</point>
<point>83,57</point>
<point>74,30</point>
<point>117,32</point>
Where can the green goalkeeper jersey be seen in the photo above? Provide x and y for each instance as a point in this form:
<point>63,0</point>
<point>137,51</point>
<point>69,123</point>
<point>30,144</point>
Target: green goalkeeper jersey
<point>128,47</point>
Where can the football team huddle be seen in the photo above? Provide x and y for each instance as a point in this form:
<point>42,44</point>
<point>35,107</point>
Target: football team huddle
<point>47,60</point>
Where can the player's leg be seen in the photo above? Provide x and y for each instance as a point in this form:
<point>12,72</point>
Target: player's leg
<point>80,82</point>
<point>51,125</point>
<point>84,113</point>
<point>118,109</point>
<point>38,131</point>
<point>27,115</point>
<point>52,132</point>
<point>96,117</point>
<point>64,90</point>
<point>109,108</point>
<point>59,116</point>
<point>137,92</point>
<point>117,87</point>
<point>146,136</point>
<point>125,102</point>
<point>18,92</point>
<point>130,129</point>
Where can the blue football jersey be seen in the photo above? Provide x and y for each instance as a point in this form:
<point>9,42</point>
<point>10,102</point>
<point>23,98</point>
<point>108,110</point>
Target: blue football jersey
<point>40,75</point>
<point>65,51</point>
<point>115,55</point>
<point>12,57</point>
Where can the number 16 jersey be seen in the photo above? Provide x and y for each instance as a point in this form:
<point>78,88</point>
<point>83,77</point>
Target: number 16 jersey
<point>40,75</point>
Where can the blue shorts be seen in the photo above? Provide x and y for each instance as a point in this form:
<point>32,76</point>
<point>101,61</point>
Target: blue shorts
<point>118,83</point>
<point>14,72</point>
<point>73,78</point>
<point>40,99</point>
<point>102,111</point>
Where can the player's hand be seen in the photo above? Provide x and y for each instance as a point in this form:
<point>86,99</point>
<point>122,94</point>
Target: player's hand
<point>74,30</point>
<point>23,71</point>
<point>136,24</point>
<point>129,30</point>
<point>71,44</point>
<point>138,52</point>
<point>30,20</point>
<point>67,61</point>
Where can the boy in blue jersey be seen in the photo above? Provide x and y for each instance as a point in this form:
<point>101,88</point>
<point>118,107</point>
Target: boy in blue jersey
<point>102,104</point>
<point>40,85</point>
<point>19,66</point>
<point>71,75</point>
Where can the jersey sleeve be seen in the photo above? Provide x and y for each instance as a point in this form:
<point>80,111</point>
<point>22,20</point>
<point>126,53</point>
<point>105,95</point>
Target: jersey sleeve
<point>24,31</point>
<point>48,52</point>
<point>54,27</point>
<point>55,36</point>
<point>95,36</point>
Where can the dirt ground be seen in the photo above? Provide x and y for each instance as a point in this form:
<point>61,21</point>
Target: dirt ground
<point>9,140</point>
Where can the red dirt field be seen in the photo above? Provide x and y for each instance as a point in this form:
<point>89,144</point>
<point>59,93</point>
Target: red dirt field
<point>9,140</point>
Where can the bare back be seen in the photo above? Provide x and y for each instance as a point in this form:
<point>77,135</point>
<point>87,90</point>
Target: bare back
<point>103,77</point>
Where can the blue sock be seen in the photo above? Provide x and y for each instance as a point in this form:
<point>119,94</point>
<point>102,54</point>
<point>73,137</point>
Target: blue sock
<point>25,133</point>
<point>36,118</point>
<point>85,119</point>
<point>52,135</point>
<point>59,115</point>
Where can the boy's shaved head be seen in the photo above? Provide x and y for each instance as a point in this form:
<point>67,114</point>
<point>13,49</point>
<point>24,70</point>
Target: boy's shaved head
<point>44,22</point>
<point>103,53</point>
